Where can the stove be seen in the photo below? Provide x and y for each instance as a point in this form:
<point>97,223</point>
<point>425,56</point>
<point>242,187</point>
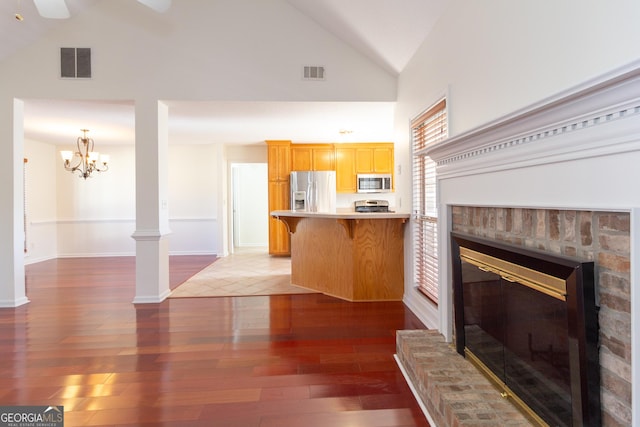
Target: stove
<point>371,206</point>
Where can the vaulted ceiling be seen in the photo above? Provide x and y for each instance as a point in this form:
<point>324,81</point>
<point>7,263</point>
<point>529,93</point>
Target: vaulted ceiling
<point>387,32</point>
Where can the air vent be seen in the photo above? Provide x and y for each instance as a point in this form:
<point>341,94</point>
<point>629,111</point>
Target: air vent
<point>313,72</point>
<point>75,62</point>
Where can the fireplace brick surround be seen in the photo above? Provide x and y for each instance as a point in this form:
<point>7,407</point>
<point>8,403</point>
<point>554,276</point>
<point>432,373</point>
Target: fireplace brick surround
<point>602,237</point>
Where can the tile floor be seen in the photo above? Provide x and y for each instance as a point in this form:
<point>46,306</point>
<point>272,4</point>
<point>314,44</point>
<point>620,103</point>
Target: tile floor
<point>249,271</point>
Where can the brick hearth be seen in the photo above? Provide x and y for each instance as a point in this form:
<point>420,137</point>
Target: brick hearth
<point>452,390</point>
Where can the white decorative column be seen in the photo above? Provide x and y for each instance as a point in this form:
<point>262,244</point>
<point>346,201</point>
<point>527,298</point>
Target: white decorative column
<point>152,217</point>
<point>222,212</point>
<point>12,280</point>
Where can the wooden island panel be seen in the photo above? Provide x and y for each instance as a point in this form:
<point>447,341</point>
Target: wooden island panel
<point>320,254</point>
<point>379,258</point>
<point>352,259</point>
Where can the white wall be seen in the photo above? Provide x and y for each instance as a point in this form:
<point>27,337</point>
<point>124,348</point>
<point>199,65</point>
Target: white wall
<point>193,199</point>
<point>68,216</point>
<point>41,216</point>
<point>493,57</point>
<point>248,50</point>
<point>96,216</point>
<point>247,153</point>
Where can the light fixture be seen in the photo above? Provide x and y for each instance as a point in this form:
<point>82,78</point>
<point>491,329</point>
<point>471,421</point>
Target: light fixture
<point>18,15</point>
<point>87,158</point>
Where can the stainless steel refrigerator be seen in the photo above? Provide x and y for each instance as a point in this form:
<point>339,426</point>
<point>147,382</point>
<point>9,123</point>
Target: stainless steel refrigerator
<point>313,191</point>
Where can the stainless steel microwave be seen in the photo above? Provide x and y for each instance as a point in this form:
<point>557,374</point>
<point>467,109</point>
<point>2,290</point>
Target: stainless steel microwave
<point>374,183</point>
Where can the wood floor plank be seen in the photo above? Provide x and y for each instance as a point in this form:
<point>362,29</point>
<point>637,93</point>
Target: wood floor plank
<point>263,361</point>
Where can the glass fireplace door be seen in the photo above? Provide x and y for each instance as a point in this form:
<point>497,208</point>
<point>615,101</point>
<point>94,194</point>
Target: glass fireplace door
<point>520,336</point>
<point>537,352</point>
<point>529,321</point>
<point>484,317</point>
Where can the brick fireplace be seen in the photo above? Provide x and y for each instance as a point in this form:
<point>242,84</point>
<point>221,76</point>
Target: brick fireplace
<point>559,176</point>
<point>602,237</point>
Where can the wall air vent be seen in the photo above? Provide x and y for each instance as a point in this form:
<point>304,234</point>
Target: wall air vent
<point>75,62</point>
<point>313,72</point>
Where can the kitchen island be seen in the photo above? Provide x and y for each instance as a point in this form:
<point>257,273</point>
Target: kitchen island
<point>354,256</point>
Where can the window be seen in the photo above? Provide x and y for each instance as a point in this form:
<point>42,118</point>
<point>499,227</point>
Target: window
<point>426,130</point>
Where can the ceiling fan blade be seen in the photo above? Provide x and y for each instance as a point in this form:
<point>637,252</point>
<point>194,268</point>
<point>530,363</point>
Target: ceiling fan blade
<point>56,9</point>
<point>159,6</point>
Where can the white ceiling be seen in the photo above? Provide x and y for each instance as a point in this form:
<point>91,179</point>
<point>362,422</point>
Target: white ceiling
<point>388,32</point>
<point>16,35</point>
<point>245,123</point>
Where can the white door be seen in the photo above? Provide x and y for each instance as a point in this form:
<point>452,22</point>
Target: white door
<point>250,205</point>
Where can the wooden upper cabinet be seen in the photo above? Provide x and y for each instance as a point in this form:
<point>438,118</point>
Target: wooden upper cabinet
<point>279,160</point>
<point>348,160</point>
<point>301,158</point>
<point>345,169</point>
<point>374,158</point>
<point>364,160</point>
<point>324,158</point>
<point>352,159</point>
<point>312,157</point>
<point>383,160</point>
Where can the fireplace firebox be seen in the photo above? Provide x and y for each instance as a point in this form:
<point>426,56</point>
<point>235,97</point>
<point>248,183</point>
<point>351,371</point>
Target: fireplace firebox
<point>529,321</point>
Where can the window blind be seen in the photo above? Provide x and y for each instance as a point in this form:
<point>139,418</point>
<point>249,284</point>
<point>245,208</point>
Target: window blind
<point>427,129</point>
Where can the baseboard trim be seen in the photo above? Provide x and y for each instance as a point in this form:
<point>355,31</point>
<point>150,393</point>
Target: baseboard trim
<point>414,391</point>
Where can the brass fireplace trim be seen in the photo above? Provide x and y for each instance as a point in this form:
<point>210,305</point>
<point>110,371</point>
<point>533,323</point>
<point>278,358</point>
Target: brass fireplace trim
<point>505,391</point>
<point>541,282</point>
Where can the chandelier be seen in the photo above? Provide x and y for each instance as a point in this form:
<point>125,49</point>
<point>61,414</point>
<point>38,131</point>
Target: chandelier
<point>87,159</point>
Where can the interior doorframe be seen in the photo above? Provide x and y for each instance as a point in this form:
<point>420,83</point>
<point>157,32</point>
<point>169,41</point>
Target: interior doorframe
<point>234,173</point>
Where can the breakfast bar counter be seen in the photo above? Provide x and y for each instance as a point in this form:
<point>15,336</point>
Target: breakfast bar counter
<point>355,256</point>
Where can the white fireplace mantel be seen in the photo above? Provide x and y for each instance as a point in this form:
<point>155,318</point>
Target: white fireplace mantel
<point>579,149</point>
<point>596,118</point>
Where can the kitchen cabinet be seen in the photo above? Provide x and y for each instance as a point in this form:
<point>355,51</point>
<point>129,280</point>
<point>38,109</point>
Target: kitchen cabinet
<point>374,158</point>
<point>279,168</point>
<point>345,169</point>
<point>279,239</point>
<point>279,160</point>
<point>352,159</point>
<point>312,157</point>
<point>347,160</point>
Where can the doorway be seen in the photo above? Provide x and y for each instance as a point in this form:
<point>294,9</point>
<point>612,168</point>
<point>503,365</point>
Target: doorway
<point>250,205</point>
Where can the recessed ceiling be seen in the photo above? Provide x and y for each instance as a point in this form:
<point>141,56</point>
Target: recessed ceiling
<point>18,34</point>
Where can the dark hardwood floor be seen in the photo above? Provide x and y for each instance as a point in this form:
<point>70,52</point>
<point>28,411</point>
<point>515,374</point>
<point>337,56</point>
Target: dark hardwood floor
<point>298,360</point>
